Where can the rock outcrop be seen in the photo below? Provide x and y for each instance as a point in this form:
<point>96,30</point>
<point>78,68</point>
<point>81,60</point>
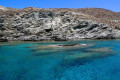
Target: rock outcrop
<point>34,24</point>
<point>3,8</point>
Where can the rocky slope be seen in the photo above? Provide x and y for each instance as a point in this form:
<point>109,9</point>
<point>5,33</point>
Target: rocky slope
<point>35,24</point>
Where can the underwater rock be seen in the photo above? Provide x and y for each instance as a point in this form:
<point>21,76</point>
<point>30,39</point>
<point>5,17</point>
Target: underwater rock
<point>67,45</point>
<point>85,57</point>
<point>105,49</point>
<point>61,46</point>
<point>55,49</point>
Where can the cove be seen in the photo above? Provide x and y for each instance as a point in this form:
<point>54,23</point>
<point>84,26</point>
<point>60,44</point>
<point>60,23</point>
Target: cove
<point>98,60</point>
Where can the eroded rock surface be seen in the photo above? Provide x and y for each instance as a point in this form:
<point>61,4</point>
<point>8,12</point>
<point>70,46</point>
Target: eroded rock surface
<point>39,25</point>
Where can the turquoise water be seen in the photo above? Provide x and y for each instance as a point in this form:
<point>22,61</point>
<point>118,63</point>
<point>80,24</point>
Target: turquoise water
<point>100,60</point>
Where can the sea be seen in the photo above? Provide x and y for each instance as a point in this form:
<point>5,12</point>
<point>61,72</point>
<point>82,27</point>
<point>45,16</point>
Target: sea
<point>45,60</point>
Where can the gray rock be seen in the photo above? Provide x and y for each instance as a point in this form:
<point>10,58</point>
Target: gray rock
<point>50,25</point>
<point>3,40</point>
<point>33,38</point>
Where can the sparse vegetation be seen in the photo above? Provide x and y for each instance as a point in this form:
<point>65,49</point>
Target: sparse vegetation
<point>96,14</point>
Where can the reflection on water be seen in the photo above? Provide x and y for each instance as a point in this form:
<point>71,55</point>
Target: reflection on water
<point>48,61</point>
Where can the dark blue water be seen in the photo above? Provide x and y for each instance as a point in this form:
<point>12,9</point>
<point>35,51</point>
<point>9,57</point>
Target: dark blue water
<point>38,61</point>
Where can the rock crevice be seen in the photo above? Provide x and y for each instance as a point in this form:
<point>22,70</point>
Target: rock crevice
<point>54,25</point>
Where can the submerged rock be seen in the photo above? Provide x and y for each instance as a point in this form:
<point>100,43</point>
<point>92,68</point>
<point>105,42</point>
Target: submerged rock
<point>85,57</point>
<point>63,45</point>
<point>56,49</point>
<point>104,50</point>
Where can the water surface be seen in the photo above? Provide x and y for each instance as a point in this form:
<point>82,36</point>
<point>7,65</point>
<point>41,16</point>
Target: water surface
<point>36,61</point>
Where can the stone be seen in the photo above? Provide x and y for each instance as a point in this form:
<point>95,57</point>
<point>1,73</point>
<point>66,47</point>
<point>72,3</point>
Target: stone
<point>3,40</point>
<point>52,24</point>
<point>63,45</point>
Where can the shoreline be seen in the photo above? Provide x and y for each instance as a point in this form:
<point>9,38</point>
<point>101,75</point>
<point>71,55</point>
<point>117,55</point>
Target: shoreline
<point>60,41</point>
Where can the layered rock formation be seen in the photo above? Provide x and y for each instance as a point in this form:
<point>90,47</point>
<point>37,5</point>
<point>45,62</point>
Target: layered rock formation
<point>35,24</point>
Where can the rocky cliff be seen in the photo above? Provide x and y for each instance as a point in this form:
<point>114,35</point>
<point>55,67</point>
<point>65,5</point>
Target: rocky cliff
<point>36,24</point>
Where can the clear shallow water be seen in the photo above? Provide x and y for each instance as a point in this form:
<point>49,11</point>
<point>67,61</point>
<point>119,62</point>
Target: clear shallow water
<point>37,61</point>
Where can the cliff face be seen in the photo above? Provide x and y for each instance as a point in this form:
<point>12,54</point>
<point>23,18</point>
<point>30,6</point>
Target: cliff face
<point>35,24</point>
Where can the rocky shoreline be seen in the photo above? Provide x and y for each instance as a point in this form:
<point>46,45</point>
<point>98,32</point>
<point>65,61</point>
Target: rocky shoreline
<point>48,24</point>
